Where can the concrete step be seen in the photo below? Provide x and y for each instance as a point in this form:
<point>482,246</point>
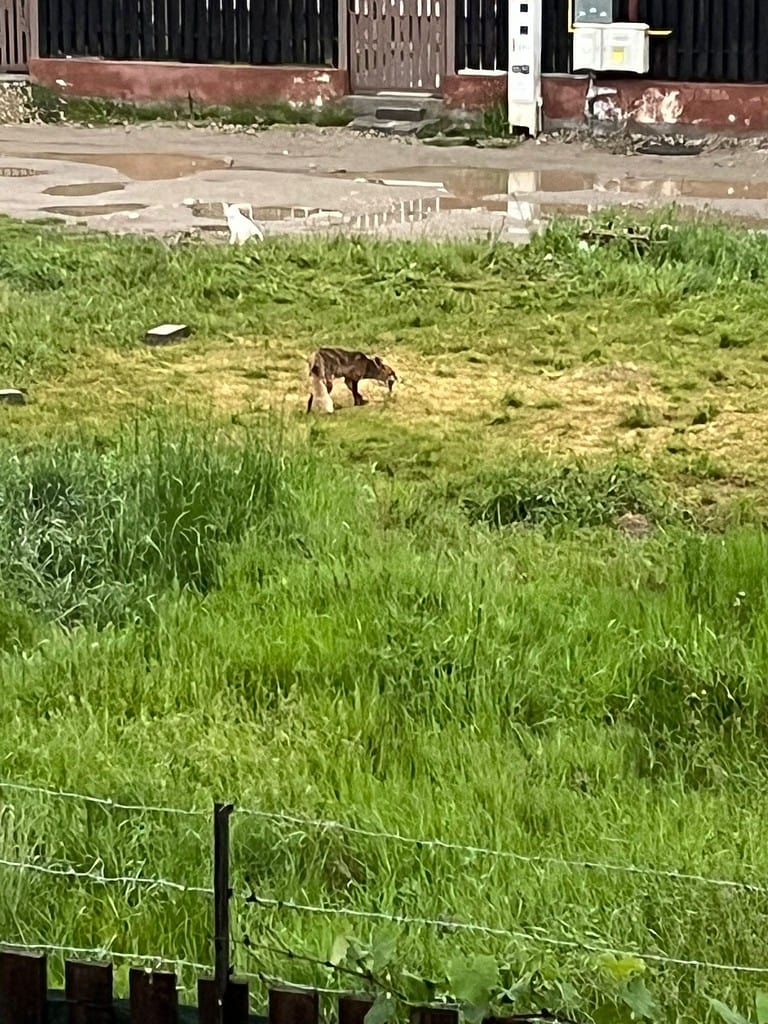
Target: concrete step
<point>401,113</point>
<point>395,107</point>
<point>388,126</point>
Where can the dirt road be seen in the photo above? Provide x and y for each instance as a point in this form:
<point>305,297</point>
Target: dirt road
<point>164,179</point>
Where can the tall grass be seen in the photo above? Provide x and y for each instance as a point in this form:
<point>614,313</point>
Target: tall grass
<point>189,615</point>
<point>94,536</point>
<point>348,629</point>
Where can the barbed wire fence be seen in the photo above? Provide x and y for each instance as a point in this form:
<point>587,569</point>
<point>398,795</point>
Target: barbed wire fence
<point>223,896</point>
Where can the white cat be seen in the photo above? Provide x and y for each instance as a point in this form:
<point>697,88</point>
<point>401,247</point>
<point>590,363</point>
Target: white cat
<point>241,228</point>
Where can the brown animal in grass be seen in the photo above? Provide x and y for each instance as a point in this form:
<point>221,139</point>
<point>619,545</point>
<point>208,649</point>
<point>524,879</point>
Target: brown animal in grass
<point>326,364</point>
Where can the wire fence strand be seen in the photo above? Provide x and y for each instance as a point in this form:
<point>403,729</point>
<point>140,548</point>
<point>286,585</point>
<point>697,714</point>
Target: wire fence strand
<point>107,802</point>
<point>68,871</point>
<point>486,851</point>
<point>483,929</point>
<point>103,953</point>
<point>419,842</point>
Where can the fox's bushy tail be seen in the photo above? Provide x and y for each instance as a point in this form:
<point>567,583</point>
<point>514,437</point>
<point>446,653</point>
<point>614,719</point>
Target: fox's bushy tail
<point>318,392</point>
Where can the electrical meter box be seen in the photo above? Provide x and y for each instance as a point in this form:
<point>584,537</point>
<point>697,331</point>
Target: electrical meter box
<point>594,12</point>
<point>626,47</point>
<point>620,46</point>
<point>587,47</point>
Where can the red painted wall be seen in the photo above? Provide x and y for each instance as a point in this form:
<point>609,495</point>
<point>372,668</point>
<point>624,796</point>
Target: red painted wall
<point>208,84</point>
<point>474,92</point>
<point>706,106</point>
<point>570,99</point>
<point>566,98</point>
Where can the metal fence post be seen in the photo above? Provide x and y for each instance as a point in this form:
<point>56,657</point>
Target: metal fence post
<point>222,894</point>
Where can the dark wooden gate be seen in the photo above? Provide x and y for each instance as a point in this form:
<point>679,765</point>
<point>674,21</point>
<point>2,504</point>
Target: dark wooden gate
<point>397,45</point>
<point>18,24</point>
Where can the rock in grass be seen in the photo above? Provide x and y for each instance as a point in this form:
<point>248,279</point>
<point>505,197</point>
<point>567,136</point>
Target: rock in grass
<point>12,396</point>
<point>166,334</point>
<point>635,526</point>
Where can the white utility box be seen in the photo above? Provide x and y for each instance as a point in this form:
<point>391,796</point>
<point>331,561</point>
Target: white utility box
<point>587,47</point>
<point>620,46</point>
<point>524,77</point>
<point>626,47</point>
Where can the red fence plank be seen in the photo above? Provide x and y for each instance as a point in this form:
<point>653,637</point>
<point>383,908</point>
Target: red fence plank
<point>153,997</point>
<point>22,988</point>
<point>434,1015</point>
<point>235,1002</point>
<point>352,1009</point>
<point>293,1006</point>
<point>88,990</point>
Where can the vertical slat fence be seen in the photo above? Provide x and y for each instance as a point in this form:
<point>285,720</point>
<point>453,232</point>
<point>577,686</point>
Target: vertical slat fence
<point>23,988</point>
<point>201,31</point>
<point>18,34</point>
<point>711,41</point>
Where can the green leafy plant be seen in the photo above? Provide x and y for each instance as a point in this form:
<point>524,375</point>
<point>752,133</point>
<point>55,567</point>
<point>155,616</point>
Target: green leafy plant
<point>731,1016</point>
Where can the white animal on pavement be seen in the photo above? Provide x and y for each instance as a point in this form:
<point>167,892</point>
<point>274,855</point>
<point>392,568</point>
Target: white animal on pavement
<point>241,228</point>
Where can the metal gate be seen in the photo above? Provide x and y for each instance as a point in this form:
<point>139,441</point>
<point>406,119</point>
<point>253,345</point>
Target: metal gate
<point>396,45</point>
<point>18,34</point>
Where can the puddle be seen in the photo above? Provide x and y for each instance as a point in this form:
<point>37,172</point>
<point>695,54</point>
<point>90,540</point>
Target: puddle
<point>143,166</point>
<point>691,188</point>
<point>483,186</point>
<point>481,181</point>
<point>213,211</point>
<point>93,211</point>
<point>520,218</point>
<point>84,188</point>
<point>19,172</point>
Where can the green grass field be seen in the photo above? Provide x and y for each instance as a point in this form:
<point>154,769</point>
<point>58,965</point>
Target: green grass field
<point>418,617</point>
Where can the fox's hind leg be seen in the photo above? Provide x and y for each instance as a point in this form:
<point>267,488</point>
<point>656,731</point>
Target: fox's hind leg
<point>353,386</point>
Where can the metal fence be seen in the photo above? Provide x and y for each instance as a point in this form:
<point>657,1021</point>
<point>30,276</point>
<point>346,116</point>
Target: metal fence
<point>711,41</point>
<point>198,31</point>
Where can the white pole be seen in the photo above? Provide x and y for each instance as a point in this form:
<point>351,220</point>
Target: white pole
<point>524,72</point>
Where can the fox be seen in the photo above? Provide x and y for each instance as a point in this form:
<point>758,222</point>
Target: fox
<point>328,363</point>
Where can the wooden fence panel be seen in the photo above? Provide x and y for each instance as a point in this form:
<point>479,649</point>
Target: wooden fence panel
<point>556,56</point>
<point>352,1009</point>
<point>23,988</point>
<point>203,31</point>
<point>481,31</point>
<point>293,1006</point>
<point>215,42</point>
<point>153,997</point>
<point>711,41</point>
<point>235,1002</point>
<point>434,1015</point>
<point>88,990</point>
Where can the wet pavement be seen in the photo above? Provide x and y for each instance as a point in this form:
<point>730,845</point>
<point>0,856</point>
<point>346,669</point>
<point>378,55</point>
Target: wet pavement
<point>162,179</point>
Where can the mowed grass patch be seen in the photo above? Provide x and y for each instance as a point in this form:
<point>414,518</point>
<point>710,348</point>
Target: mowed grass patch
<point>582,338</point>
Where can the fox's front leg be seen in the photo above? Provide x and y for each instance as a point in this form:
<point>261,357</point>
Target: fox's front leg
<point>353,386</point>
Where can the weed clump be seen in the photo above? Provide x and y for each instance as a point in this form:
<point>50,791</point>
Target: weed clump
<point>94,535</point>
<point>581,495</point>
<point>641,417</point>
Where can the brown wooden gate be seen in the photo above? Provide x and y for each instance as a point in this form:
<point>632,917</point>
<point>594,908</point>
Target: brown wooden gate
<point>396,45</point>
<point>18,34</point>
